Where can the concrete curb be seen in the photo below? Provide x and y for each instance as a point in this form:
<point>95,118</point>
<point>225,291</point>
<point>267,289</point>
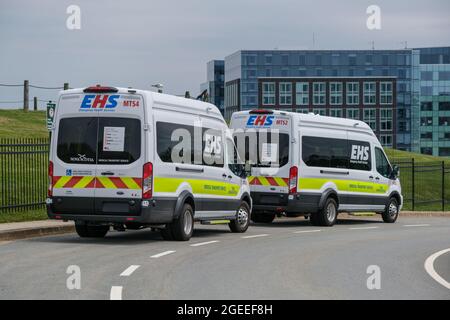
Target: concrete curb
<point>17,234</point>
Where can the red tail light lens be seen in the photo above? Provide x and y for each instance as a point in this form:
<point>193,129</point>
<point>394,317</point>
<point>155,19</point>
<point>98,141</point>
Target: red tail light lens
<point>100,89</point>
<point>147,181</point>
<point>293,175</point>
<point>50,179</point>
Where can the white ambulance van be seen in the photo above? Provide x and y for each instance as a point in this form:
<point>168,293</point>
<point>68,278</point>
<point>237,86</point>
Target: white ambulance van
<point>306,164</point>
<point>131,159</point>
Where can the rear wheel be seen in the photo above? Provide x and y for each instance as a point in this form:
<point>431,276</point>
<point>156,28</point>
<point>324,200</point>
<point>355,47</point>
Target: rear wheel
<point>240,224</point>
<point>86,231</point>
<point>390,214</point>
<point>183,227</point>
<point>260,217</point>
<point>327,216</point>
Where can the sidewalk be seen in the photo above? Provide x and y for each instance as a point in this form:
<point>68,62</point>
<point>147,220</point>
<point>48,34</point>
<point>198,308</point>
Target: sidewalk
<point>22,230</point>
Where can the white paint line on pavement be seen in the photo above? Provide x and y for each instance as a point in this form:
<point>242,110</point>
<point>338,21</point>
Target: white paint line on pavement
<point>255,236</point>
<point>128,271</point>
<point>165,253</point>
<point>203,243</point>
<point>363,228</point>
<point>116,293</point>
<point>416,225</point>
<point>429,267</point>
<point>307,231</point>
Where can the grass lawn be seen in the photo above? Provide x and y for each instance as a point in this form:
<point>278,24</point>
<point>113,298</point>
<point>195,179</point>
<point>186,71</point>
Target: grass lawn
<point>20,124</point>
<point>19,216</point>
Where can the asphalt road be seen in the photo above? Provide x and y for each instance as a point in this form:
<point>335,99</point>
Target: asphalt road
<point>289,259</point>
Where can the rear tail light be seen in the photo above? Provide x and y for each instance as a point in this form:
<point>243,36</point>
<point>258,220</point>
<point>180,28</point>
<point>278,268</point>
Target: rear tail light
<point>50,179</point>
<point>100,89</point>
<point>293,175</point>
<point>147,181</point>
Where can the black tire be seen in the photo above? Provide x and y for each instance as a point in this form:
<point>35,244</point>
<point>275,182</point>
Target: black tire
<point>86,231</point>
<point>183,227</point>
<point>327,216</point>
<point>242,221</point>
<point>260,217</point>
<point>390,214</point>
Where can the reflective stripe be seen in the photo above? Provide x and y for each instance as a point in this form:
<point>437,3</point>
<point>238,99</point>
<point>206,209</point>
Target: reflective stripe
<point>268,181</point>
<point>199,186</point>
<point>89,182</point>
<point>343,185</point>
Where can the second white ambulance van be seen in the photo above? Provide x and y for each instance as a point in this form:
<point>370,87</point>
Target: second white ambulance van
<point>306,164</point>
<point>132,158</point>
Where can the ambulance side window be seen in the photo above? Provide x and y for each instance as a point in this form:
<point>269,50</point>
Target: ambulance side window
<point>325,152</point>
<point>382,164</point>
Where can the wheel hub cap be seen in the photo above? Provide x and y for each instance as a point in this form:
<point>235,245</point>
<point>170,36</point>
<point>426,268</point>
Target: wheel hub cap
<point>242,216</point>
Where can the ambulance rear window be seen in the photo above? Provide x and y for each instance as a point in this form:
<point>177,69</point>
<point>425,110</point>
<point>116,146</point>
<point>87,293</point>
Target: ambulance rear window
<point>99,140</point>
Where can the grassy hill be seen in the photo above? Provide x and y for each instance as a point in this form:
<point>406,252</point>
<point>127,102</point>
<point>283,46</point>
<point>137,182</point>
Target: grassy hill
<point>20,124</point>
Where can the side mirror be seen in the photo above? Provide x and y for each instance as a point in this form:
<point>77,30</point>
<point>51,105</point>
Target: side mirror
<point>395,172</point>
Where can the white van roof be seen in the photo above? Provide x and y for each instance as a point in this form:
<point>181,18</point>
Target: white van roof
<point>315,119</point>
<point>197,106</point>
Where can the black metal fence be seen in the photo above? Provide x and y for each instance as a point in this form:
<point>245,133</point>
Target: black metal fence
<point>425,185</point>
<point>23,178</point>
<point>23,173</point>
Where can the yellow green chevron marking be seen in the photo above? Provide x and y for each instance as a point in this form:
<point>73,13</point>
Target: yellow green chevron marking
<point>199,186</point>
<point>343,185</point>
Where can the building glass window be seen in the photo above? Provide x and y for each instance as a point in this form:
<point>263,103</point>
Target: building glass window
<point>285,93</point>
<point>268,93</point>
<point>426,121</point>
<point>386,119</point>
<point>386,140</point>
<point>319,93</point>
<point>353,113</point>
<point>369,93</point>
<point>370,118</point>
<point>336,93</point>
<point>302,93</point>
<point>352,93</point>
<point>426,106</point>
<point>386,92</point>
<point>320,111</point>
<point>302,110</point>
<point>336,113</point>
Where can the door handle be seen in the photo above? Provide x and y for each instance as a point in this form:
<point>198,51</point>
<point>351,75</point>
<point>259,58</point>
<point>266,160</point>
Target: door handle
<point>377,178</point>
<point>230,177</point>
<point>370,177</point>
<point>224,175</point>
<point>107,173</point>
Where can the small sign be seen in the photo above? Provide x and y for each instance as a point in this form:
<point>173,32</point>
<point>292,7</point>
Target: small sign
<point>50,114</point>
<point>114,139</point>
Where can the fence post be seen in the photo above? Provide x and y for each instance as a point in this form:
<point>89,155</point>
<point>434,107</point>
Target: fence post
<point>35,104</point>
<point>25,95</point>
<point>443,186</point>
<point>413,184</point>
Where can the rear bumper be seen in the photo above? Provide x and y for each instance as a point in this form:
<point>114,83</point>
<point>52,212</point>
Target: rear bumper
<point>299,203</point>
<point>153,211</point>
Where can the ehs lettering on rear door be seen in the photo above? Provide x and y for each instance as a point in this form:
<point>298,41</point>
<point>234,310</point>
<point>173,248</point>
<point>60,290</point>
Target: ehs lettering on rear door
<point>260,121</point>
<point>100,102</point>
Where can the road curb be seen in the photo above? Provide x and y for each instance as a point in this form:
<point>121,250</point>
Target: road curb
<point>18,234</point>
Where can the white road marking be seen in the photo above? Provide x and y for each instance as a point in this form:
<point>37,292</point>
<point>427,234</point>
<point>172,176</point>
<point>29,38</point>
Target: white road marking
<point>416,225</point>
<point>116,293</point>
<point>255,236</point>
<point>363,228</point>
<point>165,253</point>
<point>307,231</point>
<point>128,271</point>
<point>429,267</point>
<point>203,243</point>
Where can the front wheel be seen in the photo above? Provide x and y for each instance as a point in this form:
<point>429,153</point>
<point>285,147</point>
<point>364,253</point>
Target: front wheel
<point>390,214</point>
<point>240,224</point>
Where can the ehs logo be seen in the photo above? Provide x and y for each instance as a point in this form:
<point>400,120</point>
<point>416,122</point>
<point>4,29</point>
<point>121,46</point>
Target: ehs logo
<point>99,101</point>
<point>264,121</point>
<point>360,153</point>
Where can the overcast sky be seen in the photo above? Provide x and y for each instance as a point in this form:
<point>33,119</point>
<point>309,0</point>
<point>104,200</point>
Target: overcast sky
<point>139,43</point>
